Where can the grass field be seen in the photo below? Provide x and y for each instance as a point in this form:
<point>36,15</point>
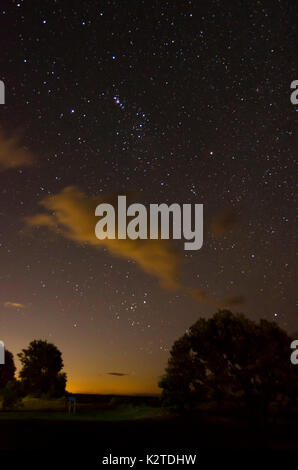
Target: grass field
<point>119,413</point>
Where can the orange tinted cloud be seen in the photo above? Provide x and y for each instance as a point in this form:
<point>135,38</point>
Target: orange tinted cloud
<point>72,214</point>
<point>13,305</point>
<point>232,300</point>
<point>229,301</point>
<point>223,222</point>
<point>13,154</point>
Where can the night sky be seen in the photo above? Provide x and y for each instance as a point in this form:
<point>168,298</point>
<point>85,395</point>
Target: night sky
<point>180,101</point>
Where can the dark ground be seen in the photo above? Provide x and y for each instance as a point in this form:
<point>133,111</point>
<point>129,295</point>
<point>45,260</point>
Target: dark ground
<point>58,442</point>
<point>52,438</point>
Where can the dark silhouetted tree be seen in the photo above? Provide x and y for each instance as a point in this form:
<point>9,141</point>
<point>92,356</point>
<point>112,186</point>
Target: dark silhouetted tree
<point>11,397</point>
<point>231,357</point>
<point>41,369</point>
<point>7,370</point>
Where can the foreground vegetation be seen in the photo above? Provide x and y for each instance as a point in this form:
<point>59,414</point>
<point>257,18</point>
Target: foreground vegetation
<point>55,409</point>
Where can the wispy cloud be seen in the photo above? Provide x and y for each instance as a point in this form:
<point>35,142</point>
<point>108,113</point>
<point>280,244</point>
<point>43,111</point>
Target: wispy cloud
<point>13,305</point>
<point>228,301</point>
<point>223,222</point>
<point>118,374</point>
<point>72,214</point>
<point>12,153</point>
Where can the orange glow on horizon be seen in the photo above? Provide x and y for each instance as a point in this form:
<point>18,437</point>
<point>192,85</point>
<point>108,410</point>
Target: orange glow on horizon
<point>112,386</point>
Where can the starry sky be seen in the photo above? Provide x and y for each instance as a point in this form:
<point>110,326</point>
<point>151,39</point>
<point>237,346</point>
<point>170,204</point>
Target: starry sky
<point>180,101</point>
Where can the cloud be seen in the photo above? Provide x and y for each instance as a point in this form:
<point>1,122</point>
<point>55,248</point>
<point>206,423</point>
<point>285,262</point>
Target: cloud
<point>223,222</point>
<point>229,301</point>
<point>40,220</point>
<point>201,295</point>
<point>13,305</point>
<point>13,154</point>
<point>118,374</point>
<point>72,214</point>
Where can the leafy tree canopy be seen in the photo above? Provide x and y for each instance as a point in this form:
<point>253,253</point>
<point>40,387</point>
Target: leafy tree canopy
<point>231,357</point>
<point>41,369</point>
<point>7,370</point>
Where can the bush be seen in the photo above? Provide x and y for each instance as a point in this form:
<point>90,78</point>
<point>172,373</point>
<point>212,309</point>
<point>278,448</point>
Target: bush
<point>10,396</point>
